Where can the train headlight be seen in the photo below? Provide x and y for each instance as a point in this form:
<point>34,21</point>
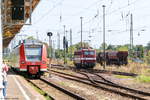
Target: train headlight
<point>43,62</point>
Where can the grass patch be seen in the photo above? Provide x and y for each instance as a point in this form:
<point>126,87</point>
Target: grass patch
<point>71,73</point>
<point>121,76</point>
<point>143,78</point>
<point>41,92</point>
<point>63,83</point>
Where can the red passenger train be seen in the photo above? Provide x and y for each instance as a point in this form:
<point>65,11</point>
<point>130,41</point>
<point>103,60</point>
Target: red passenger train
<point>30,57</point>
<point>85,58</point>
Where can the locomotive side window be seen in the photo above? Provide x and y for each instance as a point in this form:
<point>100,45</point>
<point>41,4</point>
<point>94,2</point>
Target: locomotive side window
<point>33,54</point>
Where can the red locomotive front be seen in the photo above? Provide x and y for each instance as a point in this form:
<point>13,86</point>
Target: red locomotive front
<point>85,58</point>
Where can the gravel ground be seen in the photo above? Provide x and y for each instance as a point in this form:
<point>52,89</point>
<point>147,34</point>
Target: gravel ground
<point>58,95</point>
<point>128,82</point>
<point>87,91</point>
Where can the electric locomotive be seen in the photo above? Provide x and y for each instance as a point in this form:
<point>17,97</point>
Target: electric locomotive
<point>85,58</point>
<point>30,57</point>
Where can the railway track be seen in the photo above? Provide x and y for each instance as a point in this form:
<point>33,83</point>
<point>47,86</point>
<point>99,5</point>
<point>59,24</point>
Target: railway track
<point>43,84</point>
<point>105,84</point>
<point>48,86</point>
<point>39,87</point>
<point>93,70</point>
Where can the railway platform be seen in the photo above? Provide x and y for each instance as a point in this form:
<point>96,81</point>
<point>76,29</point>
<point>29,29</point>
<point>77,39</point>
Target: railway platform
<point>19,89</point>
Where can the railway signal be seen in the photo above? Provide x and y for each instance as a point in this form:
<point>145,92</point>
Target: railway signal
<point>17,9</point>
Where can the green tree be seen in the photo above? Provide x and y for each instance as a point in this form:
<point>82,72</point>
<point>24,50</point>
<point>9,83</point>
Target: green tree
<point>102,46</point>
<point>84,45</point>
<point>139,51</point>
<point>31,38</point>
<point>111,47</point>
<point>122,48</point>
<point>148,46</point>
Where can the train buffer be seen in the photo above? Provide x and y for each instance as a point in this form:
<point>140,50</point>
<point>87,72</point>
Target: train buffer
<point>19,89</point>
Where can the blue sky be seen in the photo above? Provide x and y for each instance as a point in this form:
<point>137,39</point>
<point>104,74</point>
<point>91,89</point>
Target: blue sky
<point>46,17</point>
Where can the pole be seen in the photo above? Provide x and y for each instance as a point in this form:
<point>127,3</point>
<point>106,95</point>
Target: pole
<point>64,48</point>
<point>131,36</point>
<point>37,35</point>
<point>81,31</point>
<point>71,42</point>
<point>53,49</point>
<point>58,43</point>
<point>50,55</point>
<point>66,42</point>
<point>104,36</point>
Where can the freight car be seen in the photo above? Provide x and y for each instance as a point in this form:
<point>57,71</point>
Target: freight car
<point>30,57</point>
<point>113,57</point>
<point>85,58</point>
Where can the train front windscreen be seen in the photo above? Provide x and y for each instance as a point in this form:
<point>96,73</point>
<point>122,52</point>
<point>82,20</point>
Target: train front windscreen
<point>89,52</point>
<point>33,53</point>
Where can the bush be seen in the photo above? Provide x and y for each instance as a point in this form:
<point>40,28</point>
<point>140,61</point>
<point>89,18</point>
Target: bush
<point>143,78</point>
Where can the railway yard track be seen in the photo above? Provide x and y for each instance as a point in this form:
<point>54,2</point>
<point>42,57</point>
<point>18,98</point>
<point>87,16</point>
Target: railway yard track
<point>94,70</point>
<point>56,91</point>
<point>50,87</point>
<point>100,82</point>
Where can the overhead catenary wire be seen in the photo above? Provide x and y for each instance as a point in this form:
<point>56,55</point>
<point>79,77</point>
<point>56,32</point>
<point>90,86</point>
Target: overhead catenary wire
<point>59,3</point>
<point>48,12</point>
<point>107,13</point>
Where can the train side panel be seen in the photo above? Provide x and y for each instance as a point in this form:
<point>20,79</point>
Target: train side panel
<point>22,60</point>
<point>77,58</point>
<point>15,58</point>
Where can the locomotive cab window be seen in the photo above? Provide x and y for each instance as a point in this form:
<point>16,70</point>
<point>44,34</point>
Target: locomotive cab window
<point>89,53</point>
<point>33,53</point>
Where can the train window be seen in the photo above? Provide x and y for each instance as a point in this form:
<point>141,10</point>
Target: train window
<point>89,53</point>
<point>92,53</point>
<point>33,54</point>
<point>33,51</point>
<point>86,53</point>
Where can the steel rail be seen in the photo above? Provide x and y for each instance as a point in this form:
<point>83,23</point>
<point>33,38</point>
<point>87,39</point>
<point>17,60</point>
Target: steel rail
<point>84,80</point>
<point>74,95</point>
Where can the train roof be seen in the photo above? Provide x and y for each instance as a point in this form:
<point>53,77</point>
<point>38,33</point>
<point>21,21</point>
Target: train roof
<point>28,42</point>
<point>31,42</point>
<point>85,49</point>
